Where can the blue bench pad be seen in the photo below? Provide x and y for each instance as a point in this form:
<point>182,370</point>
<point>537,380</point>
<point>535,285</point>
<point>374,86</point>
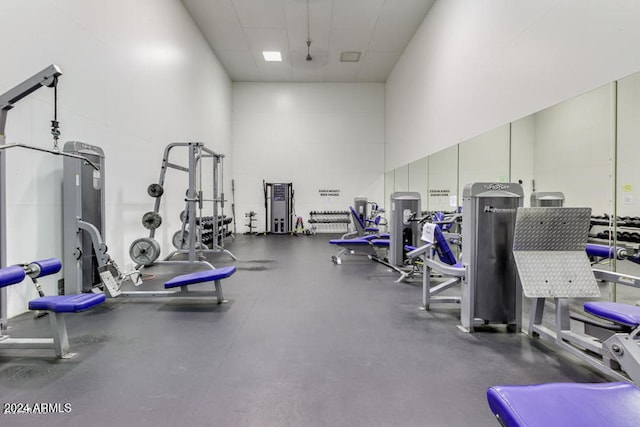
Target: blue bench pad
<point>66,303</point>
<point>201,277</point>
<point>616,312</point>
<point>566,404</point>
<point>382,243</point>
<point>350,242</point>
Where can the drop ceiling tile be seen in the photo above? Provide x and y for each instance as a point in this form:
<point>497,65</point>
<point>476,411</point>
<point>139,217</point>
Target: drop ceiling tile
<point>359,15</point>
<point>218,22</point>
<point>347,39</point>
<point>342,72</point>
<point>260,13</point>
<point>239,30</point>
<point>397,23</point>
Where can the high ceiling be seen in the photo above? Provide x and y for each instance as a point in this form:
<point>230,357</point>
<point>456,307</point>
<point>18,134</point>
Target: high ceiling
<point>239,31</point>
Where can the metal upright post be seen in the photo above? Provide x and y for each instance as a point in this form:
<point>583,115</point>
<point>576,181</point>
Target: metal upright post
<point>191,197</point>
<point>3,223</point>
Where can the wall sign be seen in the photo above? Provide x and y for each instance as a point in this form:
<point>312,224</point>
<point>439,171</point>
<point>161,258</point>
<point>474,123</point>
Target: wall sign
<point>329,193</point>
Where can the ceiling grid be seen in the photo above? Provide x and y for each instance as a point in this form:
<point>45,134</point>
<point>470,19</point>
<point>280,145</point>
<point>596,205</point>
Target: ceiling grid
<point>238,31</point>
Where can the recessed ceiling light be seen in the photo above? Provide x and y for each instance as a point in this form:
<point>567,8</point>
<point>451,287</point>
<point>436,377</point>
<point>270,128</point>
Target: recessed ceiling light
<point>350,57</point>
<point>272,56</point>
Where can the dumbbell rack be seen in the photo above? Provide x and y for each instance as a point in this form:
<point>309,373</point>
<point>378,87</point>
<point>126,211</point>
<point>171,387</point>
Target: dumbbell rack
<point>627,232</point>
<point>145,251</point>
<point>329,217</point>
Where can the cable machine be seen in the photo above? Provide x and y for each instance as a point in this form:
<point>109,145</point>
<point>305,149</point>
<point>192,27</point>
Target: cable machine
<point>48,77</point>
<point>278,207</point>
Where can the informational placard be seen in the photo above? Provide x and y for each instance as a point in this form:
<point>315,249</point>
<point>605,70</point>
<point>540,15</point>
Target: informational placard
<point>329,193</point>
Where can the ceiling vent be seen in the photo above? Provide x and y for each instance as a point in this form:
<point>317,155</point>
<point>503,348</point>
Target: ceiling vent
<point>350,57</point>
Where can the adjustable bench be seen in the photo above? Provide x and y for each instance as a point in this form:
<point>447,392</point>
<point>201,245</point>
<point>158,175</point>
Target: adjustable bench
<point>564,404</point>
<point>56,306</point>
<point>215,276</point>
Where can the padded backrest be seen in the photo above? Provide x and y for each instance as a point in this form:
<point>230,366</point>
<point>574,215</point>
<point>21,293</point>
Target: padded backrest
<point>445,254</point>
<point>357,222</point>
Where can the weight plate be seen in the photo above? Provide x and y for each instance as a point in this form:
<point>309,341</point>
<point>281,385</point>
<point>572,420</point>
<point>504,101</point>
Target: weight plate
<point>183,216</point>
<point>155,190</point>
<point>151,220</point>
<point>144,251</point>
<point>180,240</point>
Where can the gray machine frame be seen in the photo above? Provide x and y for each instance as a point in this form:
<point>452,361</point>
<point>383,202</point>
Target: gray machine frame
<point>405,213</point>
<point>279,207</point>
<point>59,340</point>
<point>543,199</point>
<point>84,225</point>
<point>549,248</point>
<point>360,205</point>
<point>491,292</point>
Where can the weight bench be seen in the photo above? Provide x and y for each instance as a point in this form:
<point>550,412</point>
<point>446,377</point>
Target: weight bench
<point>565,404</point>
<point>57,307</point>
<point>216,275</point>
<point>552,263</point>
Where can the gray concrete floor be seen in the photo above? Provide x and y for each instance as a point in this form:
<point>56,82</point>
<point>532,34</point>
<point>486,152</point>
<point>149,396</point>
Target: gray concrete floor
<point>302,342</point>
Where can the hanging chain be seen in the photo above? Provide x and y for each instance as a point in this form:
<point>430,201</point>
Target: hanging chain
<point>55,125</point>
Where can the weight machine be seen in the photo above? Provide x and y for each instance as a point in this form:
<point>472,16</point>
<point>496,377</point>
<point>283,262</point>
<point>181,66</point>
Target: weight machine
<point>278,207</point>
<point>84,223</point>
<point>189,239</point>
<point>48,77</point>
<point>491,293</point>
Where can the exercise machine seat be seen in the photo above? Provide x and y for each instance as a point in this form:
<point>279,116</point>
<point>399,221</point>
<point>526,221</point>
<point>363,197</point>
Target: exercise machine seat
<point>67,303</point>
<point>381,243</point>
<point>201,277</point>
<point>566,404</point>
<point>616,312</point>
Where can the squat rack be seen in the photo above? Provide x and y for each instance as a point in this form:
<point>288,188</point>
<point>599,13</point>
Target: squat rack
<point>147,249</point>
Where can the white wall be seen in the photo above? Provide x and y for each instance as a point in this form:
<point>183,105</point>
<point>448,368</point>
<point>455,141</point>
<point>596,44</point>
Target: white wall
<point>475,65</point>
<point>137,76</point>
<point>573,150</point>
<point>315,135</point>
<point>484,158</point>
<point>628,199</point>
